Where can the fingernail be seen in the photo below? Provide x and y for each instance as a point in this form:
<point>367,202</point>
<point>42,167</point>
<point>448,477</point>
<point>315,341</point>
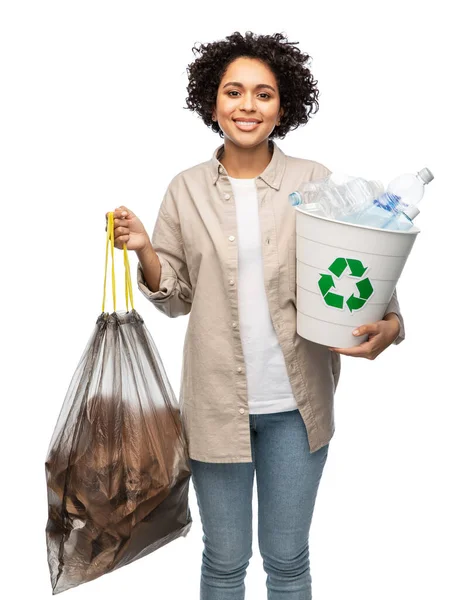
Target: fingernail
<point>355,332</point>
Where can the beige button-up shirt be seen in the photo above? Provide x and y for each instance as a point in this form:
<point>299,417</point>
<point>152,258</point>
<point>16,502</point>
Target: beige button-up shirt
<point>195,237</point>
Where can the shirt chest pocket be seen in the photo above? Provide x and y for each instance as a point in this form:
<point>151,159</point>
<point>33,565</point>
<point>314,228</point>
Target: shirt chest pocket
<point>292,262</point>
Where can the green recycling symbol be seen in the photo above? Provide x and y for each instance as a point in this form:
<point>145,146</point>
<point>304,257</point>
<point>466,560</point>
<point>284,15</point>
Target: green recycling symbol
<point>357,270</point>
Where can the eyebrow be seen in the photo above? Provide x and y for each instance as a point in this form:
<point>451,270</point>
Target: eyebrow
<point>257,87</point>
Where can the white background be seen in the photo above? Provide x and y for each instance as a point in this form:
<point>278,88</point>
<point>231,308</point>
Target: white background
<point>92,117</point>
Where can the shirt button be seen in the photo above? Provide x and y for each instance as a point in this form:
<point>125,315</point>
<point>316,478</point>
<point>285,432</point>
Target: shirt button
<point>268,240</point>
<point>239,369</point>
<point>231,238</point>
<point>241,410</point>
<point>231,281</point>
<point>227,196</point>
<point>234,324</point>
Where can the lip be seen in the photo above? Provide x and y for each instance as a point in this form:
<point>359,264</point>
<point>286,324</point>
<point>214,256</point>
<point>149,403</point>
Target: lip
<point>251,120</point>
<point>253,125</point>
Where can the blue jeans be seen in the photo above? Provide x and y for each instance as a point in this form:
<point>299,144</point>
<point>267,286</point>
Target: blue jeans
<point>288,477</point>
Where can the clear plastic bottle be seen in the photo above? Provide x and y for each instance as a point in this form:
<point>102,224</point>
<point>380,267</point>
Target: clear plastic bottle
<point>403,221</point>
<point>337,201</point>
<point>308,191</point>
<point>352,197</point>
<point>397,207</point>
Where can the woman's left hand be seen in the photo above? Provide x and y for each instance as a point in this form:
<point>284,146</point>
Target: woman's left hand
<point>381,335</point>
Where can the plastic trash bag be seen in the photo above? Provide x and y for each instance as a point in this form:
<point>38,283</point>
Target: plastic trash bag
<point>117,466</point>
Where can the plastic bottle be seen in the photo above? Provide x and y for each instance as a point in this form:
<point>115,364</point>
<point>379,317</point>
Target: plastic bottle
<point>308,191</point>
<point>352,197</point>
<point>397,207</point>
<point>402,222</point>
<point>334,200</point>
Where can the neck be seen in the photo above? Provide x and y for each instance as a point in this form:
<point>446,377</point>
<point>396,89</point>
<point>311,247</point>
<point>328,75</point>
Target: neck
<point>245,163</point>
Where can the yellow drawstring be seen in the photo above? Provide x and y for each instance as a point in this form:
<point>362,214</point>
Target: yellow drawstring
<point>127,270</point>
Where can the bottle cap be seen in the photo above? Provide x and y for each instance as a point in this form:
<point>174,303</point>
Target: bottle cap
<point>426,175</point>
<point>411,211</point>
<point>295,199</point>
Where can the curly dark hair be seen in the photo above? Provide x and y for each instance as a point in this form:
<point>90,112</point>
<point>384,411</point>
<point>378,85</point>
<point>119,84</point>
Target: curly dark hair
<point>296,84</point>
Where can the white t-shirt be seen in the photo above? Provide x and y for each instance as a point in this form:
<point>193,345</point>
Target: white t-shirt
<point>268,386</point>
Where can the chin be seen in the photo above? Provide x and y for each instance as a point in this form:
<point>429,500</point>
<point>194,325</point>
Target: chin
<point>246,140</point>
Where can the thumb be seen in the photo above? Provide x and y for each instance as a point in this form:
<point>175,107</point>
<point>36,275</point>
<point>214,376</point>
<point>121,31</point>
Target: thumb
<point>125,212</point>
<point>370,328</point>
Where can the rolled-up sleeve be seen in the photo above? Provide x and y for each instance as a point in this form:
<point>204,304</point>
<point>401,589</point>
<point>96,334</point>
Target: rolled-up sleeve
<point>175,294</point>
<point>393,307</point>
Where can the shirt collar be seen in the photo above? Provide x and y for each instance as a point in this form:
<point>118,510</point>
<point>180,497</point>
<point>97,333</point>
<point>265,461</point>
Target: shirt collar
<point>272,175</point>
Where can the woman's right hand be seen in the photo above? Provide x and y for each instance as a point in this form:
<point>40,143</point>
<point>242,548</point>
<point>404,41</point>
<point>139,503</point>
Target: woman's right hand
<point>128,230</point>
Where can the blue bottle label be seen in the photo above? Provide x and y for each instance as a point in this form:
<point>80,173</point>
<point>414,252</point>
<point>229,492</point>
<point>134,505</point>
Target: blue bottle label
<point>387,202</point>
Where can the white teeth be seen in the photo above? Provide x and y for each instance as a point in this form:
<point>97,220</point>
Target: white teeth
<point>247,122</point>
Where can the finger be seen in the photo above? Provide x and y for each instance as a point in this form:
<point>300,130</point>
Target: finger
<point>116,221</point>
<point>118,231</point>
<point>120,213</point>
<point>368,328</point>
<point>121,216</point>
<point>125,212</point>
<point>118,225</point>
<point>362,350</point>
<point>122,239</point>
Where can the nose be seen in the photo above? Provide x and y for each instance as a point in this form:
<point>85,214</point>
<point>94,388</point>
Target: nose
<point>247,102</point>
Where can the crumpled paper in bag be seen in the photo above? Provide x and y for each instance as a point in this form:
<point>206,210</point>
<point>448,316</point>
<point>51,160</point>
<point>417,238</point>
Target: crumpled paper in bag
<point>117,467</point>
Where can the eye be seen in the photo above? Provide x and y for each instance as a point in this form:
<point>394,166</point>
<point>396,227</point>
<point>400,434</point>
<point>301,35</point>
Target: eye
<point>267,96</point>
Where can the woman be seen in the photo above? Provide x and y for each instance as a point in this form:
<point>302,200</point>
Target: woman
<point>256,398</point>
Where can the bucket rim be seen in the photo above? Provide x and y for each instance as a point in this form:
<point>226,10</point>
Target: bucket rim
<point>413,230</point>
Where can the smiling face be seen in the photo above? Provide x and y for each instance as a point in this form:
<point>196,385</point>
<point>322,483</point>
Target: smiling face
<point>248,91</point>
